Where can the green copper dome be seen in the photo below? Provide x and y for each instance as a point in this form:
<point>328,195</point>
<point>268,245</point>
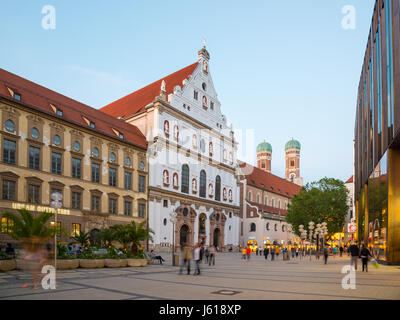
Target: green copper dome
<point>293,144</point>
<point>264,146</point>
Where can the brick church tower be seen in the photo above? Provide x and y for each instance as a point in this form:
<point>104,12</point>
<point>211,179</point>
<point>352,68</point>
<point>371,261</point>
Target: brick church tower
<point>292,172</point>
<point>264,156</point>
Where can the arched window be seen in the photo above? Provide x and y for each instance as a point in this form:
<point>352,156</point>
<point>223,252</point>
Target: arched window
<point>203,184</point>
<point>211,148</point>
<point>194,141</point>
<point>166,127</point>
<point>230,195</point>
<point>283,228</point>
<point>272,203</point>
<point>253,227</point>
<point>279,204</point>
<point>267,226</point>
<point>218,188</point>
<point>266,201</point>
<point>185,179</point>
<point>258,198</point>
<point>249,196</point>
<point>276,227</point>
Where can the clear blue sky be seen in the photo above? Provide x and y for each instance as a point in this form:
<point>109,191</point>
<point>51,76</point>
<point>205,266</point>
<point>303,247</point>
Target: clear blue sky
<point>281,68</point>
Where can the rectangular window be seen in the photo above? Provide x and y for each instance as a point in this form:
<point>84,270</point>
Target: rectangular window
<point>379,77</point>
<point>196,95</point>
<point>56,163</point>
<point>127,208</point>
<point>9,190</point>
<point>128,181</point>
<point>389,66</point>
<point>112,206</point>
<point>95,172</point>
<point>6,225</point>
<point>34,158</point>
<point>33,193</point>
<point>112,176</point>
<point>76,168</point>
<point>76,200</point>
<point>165,203</point>
<point>9,148</point>
<point>96,203</point>
<point>58,227</point>
<point>142,209</point>
<point>75,230</point>
<point>142,184</point>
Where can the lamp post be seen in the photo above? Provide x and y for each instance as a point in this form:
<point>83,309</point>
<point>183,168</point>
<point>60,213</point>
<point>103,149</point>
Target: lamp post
<point>311,228</point>
<point>324,228</point>
<point>303,235</point>
<point>173,220</point>
<point>56,204</point>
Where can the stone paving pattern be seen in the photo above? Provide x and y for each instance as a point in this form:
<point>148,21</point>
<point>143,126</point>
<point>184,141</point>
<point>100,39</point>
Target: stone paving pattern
<point>256,279</point>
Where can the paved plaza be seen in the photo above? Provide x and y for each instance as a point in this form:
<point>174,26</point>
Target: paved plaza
<point>230,278</point>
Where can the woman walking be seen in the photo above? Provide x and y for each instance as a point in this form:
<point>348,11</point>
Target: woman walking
<point>364,254</point>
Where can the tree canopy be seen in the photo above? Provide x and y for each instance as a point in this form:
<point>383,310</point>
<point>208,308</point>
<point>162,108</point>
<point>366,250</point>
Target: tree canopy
<point>321,201</point>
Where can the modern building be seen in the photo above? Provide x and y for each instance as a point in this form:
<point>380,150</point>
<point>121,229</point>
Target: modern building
<point>377,137</point>
<point>193,190</point>
<point>264,202</point>
<point>53,144</point>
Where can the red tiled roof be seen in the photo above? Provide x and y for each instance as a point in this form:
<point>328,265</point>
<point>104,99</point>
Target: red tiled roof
<point>269,182</point>
<point>268,209</point>
<point>138,100</point>
<point>40,98</point>
<point>350,179</point>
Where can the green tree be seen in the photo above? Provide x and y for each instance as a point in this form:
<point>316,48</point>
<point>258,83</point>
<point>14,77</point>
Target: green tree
<point>82,238</point>
<point>26,226</point>
<point>107,235</point>
<point>137,234</point>
<point>321,201</point>
<point>121,234</point>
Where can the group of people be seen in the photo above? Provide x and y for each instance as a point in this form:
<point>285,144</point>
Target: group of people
<point>9,250</point>
<point>274,251</point>
<point>198,253</point>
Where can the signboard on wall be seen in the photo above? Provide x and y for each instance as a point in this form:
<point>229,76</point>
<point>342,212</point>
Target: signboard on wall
<point>351,228</point>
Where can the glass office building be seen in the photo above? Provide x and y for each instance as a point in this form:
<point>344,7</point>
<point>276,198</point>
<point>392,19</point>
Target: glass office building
<point>377,136</point>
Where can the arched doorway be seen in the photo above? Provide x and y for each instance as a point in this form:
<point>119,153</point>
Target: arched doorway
<point>184,234</point>
<point>216,244</point>
<point>94,237</point>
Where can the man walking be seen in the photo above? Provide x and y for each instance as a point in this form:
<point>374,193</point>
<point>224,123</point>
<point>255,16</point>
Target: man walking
<point>266,253</point>
<point>364,254</point>
<point>326,254</point>
<point>272,253</point>
<point>354,253</point>
<point>212,256</point>
<point>341,251</point>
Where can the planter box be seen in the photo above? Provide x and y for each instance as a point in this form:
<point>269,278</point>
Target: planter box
<point>137,262</point>
<point>91,263</point>
<point>115,263</point>
<point>7,265</point>
<point>67,264</point>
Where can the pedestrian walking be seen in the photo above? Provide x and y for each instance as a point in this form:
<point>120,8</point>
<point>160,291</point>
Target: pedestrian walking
<point>207,254</point>
<point>272,253</point>
<point>201,252</point>
<point>341,251</point>
<point>256,252</point>
<point>248,252</point>
<point>364,254</point>
<point>355,253</point>
<point>326,254</point>
<point>266,253</point>
<point>212,256</point>
<point>244,253</point>
<point>297,252</point>
<point>196,257</point>
<point>186,257</point>
<point>293,252</point>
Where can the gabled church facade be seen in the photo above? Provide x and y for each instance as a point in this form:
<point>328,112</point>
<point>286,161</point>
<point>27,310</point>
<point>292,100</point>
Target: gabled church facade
<point>193,190</point>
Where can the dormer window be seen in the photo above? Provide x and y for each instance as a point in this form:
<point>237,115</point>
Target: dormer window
<point>17,96</point>
<point>121,135</point>
<point>92,125</point>
<point>59,112</point>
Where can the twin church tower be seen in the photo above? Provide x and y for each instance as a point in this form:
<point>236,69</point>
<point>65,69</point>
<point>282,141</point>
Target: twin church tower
<point>292,150</point>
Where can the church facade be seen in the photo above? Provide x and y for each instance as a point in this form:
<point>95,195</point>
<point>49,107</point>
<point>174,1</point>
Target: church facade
<point>193,189</point>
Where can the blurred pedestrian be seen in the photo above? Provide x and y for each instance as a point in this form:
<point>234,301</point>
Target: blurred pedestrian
<point>248,251</point>
<point>272,253</point>
<point>207,254</point>
<point>266,253</point>
<point>196,257</point>
<point>341,251</point>
<point>186,257</point>
<point>364,254</point>
<point>10,250</point>
<point>244,253</point>
<point>326,254</point>
<point>212,256</point>
<point>355,253</point>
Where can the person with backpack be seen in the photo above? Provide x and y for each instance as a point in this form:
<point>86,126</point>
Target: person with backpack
<point>364,254</point>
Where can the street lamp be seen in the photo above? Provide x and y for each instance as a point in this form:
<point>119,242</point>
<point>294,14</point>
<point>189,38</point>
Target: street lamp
<point>173,220</point>
<point>324,231</point>
<point>56,204</point>
<point>311,227</point>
